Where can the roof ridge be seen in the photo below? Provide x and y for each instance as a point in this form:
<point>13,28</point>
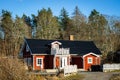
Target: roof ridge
<point>61,40</point>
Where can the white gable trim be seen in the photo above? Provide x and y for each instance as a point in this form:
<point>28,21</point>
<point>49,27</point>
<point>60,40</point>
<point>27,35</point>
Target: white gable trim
<point>56,42</point>
<point>90,54</point>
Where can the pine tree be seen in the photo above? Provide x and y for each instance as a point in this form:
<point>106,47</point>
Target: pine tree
<point>47,25</point>
<point>64,19</point>
<point>79,22</point>
<point>97,23</point>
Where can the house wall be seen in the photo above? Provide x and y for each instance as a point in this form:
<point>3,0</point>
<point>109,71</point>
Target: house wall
<point>47,62</point>
<point>25,53</point>
<point>35,67</point>
<point>77,60</point>
<point>27,57</point>
<point>95,61</point>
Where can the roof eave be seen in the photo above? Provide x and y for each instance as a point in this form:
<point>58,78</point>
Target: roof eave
<point>39,54</point>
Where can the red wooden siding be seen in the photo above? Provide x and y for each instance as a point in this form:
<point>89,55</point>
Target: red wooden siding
<point>77,60</point>
<point>35,65</point>
<point>47,62</point>
<point>95,61</point>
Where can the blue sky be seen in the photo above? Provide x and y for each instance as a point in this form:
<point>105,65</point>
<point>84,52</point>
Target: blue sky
<point>18,7</point>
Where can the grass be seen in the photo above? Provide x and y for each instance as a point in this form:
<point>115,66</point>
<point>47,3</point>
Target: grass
<point>115,77</point>
<point>115,71</point>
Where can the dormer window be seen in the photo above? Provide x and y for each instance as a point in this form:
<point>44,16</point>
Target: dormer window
<point>55,44</point>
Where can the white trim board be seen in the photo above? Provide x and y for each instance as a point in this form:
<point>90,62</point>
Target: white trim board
<point>90,54</point>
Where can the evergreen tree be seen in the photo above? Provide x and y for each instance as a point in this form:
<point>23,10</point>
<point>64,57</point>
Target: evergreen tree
<point>79,24</point>
<point>27,19</point>
<point>65,23</point>
<point>64,19</point>
<point>97,23</point>
<point>47,25</point>
<point>78,18</point>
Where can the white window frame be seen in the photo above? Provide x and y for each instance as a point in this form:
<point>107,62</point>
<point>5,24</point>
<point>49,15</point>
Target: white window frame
<point>55,45</point>
<point>90,60</point>
<point>41,62</point>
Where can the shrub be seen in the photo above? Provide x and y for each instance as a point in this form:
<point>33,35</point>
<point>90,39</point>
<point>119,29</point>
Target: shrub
<point>12,69</point>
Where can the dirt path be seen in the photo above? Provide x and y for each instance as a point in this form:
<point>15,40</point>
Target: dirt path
<point>98,75</point>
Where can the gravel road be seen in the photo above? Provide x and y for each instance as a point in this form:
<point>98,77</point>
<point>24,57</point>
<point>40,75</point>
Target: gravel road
<point>98,75</point>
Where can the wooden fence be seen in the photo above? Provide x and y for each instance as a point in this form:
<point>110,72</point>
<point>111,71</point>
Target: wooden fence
<point>69,69</point>
<point>110,67</point>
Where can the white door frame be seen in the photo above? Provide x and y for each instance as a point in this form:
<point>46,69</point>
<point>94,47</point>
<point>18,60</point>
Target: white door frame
<point>63,62</point>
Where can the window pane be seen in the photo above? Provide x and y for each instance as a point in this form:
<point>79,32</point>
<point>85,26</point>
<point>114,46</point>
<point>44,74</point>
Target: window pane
<point>89,60</point>
<point>39,62</point>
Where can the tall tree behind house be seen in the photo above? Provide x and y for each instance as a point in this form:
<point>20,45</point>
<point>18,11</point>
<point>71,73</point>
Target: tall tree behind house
<point>79,22</point>
<point>65,24</point>
<point>97,23</point>
<point>47,25</point>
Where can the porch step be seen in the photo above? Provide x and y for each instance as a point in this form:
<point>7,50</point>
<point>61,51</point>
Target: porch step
<point>80,70</point>
<point>51,70</point>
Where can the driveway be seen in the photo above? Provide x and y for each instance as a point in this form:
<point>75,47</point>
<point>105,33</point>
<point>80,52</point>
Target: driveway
<point>98,75</point>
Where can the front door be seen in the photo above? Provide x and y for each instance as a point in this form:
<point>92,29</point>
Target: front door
<point>57,62</point>
<point>63,62</point>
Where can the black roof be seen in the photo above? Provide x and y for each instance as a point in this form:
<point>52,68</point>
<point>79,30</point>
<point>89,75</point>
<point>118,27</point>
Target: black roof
<point>41,46</point>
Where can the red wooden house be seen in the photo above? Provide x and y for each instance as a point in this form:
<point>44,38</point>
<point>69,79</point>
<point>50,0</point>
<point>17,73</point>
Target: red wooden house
<point>50,54</point>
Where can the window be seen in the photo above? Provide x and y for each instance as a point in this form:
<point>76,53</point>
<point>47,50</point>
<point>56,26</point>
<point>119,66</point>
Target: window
<point>90,60</point>
<point>55,45</point>
<point>27,48</point>
<point>39,62</point>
